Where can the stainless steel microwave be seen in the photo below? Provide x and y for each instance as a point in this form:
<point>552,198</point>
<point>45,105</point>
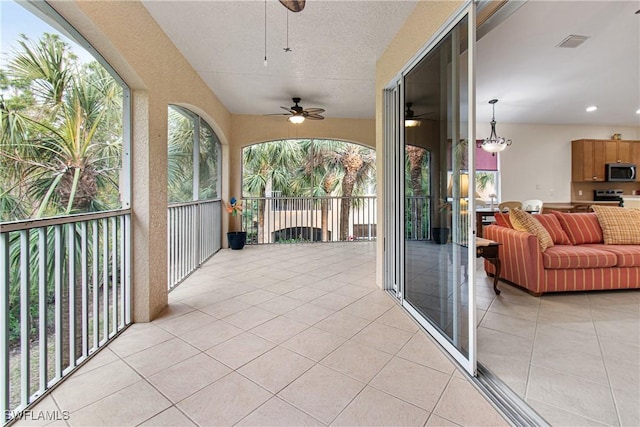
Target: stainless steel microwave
<point>621,172</point>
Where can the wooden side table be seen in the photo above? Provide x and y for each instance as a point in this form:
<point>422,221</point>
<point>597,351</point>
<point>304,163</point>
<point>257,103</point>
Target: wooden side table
<point>489,250</point>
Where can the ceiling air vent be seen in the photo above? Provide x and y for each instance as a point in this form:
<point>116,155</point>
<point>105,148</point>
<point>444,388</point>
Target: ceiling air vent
<point>572,41</point>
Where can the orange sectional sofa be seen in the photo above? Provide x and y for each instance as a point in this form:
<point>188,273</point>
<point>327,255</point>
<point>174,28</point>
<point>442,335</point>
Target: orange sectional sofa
<point>579,260</point>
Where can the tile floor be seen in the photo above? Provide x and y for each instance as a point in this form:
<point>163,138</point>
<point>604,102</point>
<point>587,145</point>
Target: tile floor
<point>574,357</point>
<point>275,336</point>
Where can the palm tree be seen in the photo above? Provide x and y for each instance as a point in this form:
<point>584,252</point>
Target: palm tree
<point>269,165</point>
<point>64,151</point>
<point>416,159</point>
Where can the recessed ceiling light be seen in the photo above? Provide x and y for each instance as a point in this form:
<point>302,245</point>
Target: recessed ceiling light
<point>592,108</point>
<point>638,111</point>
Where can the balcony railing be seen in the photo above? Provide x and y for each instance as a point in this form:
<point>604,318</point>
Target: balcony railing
<point>309,219</point>
<point>193,235</point>
<point>65,292</point>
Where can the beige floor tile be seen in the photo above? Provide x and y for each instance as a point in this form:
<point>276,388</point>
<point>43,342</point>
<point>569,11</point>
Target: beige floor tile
<point>226,308</point>
<point>615,350</point>
<point>353,291</point>
<point>378,296</point>
<point>256,297</point>
<point>134,340</point>
<point>383,337</point>
<point>171,417</point>
<point>187,322</point>
<point>275,369</point>
<point>513,371</point>
<point>333,301</point>
<point>284,287</point>
<point>567,360</point>
<point>205,299</point>
<point>127,407</point>
<point>550,339</point>
<point>437,421</point>
<point>416,384</point>
<point>367,309</point>
<point>103,357</point>
<point>510,325</point>
<point>625,330</point>
<point>399,319</point>
<point>249,318</point>
<point>464,405</point>
<point>306,294</point>
<point>211,334</point>
<point>356,360</point>
<point>82,390</point>
<point>322,392</point>
<point>314,343</point>
<point>309,314</point>
<point>281,304</point>
<point>240,349</point>
<point>174,309</point>
<point>422,350</point>
<point>185,378</point>
<point>277,412</point>
<point>161,356</point>
<point>279,329</point>
<point>43,413</point>
<point>490,341</point>
<point>343,324</point>
<point>374,408</point>
<point>577,395</point>
<point>624,376</point>
<point>558,417</point>
<point>628,407</point>
<point>225,402</point>
<point>514,308</point>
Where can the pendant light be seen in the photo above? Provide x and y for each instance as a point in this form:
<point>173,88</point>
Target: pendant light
<point>494,144</point>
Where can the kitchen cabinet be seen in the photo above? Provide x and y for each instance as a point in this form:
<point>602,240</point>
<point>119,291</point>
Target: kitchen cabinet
<point>589,157</point>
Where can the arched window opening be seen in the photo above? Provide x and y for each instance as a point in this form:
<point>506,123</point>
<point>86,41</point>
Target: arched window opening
<point>308,190</point>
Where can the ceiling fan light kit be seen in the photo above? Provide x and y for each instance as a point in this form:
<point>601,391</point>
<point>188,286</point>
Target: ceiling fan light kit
<point>298,115</point>
<point>493,143</point>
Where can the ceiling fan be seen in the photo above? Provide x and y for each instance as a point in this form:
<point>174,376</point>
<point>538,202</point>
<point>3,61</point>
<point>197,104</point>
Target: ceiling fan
<point>411,119</point>
<point>293,5</point>
<point>297,114</point>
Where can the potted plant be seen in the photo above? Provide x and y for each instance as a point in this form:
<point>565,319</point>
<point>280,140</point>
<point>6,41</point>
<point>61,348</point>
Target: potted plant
<point>236,239</point>
<point>440,235</point>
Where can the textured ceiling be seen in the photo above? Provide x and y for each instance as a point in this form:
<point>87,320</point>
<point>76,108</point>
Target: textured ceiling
<point>335,46</point>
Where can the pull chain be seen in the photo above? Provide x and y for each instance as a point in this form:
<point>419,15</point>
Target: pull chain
<point>265,33</point>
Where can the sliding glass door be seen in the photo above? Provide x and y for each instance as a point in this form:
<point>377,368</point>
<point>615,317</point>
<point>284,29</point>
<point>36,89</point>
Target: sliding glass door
<point>435,170</point>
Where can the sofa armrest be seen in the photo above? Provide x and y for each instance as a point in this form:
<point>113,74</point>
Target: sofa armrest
<point>520,256</point>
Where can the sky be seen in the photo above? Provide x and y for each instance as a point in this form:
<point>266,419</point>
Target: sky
<point>16,20</point>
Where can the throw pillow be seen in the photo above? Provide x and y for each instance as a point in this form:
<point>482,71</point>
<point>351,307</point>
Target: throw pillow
<point>552,225</point>
<point>524,221</point>
<point>582,228</point>
<point>620,226</point>
<point>502,219</point>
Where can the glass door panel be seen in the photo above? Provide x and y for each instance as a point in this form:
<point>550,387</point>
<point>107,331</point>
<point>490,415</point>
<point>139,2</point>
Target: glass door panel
<point>438,249</point>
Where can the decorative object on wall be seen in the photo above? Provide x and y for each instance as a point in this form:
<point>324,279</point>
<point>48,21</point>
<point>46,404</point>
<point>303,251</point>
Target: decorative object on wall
<point>494,143</point>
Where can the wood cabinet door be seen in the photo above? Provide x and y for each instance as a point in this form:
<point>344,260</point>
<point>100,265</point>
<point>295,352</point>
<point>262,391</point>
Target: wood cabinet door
<point>624,152</point>
<point>597,170</point>
<point>635,156</point>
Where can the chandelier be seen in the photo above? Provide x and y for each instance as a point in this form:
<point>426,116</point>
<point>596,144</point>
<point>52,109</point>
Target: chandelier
<point>494,143</point>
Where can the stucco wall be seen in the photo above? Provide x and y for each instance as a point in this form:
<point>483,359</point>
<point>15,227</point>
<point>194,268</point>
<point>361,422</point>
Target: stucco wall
<point>416,32</point>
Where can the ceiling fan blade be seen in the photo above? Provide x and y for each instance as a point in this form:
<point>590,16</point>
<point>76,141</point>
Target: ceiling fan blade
<point>293,5</point>
<point>288,109</point>
<point>314,110</point>
<point>277,114</point>
<point>314,117</point>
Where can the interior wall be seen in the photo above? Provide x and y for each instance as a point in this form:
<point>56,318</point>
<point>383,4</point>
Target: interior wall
<point>538,163</point>
<point>136,47</point>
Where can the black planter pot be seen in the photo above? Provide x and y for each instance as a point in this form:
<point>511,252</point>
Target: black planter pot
<point>440,235</point>
<point>237,239</point>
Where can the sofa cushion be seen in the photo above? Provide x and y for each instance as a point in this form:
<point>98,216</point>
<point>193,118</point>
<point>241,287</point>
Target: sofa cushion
<point>580,227</point>
<point>628,255</point>
<point>524,221</point>
<point>620,226</point>
<point>568,257</point>
<point>502,219</point>
<point>553,227</point>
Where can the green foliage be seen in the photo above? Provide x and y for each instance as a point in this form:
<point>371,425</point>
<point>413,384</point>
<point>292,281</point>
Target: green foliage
<point>61,133</point>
